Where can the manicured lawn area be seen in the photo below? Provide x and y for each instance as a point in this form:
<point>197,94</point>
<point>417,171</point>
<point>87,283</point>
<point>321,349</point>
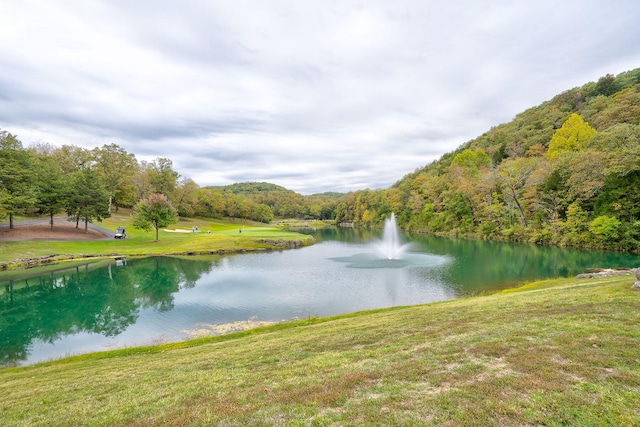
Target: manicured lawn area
<point>563,353</point>
<point>212,235</point>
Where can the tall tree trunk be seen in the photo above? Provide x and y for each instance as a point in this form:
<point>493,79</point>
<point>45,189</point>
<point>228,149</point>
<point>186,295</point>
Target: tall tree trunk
<point>86,225</point>
<point>51,221</point>
<point>514,196</point>
<point>10,220</point>
<point>523,219</point>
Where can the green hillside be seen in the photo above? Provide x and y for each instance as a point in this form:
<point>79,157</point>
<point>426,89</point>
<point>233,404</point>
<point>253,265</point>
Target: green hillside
<point>282,202</point>
<point>251,188</point>
<point>566,172</point>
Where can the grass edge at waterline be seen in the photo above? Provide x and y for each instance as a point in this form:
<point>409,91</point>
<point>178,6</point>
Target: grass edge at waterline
<point>562,353</point>
<point>214,236</point>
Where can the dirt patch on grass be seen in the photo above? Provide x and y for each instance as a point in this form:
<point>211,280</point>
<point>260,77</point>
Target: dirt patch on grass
<point>42,231</point>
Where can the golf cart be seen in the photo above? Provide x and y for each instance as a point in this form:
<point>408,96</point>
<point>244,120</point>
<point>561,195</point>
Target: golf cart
<point>120,233</point>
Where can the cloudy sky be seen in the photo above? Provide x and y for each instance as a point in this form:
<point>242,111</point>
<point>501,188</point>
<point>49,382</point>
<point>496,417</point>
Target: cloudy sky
<point>312,95</point>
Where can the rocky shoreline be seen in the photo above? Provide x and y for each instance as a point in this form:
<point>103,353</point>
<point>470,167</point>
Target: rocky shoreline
<point>608,272</point>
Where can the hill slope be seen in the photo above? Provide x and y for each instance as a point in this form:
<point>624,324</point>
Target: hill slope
<point>566,172</point>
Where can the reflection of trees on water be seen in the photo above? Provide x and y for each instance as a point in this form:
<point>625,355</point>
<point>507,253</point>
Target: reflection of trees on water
<point>102,299</point>
<point>480,264</point>
<point>350,235</point>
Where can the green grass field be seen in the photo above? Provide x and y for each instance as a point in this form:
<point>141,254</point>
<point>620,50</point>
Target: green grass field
<point>224,235</point>
<point>562,353</point>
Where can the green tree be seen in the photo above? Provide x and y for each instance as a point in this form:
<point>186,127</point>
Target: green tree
<point>574,135</point>
<point>155,211</point>
<point>210,204</point>
<point>72,158</point>
<point>620,197</point>
<point>472,160</point>
<point>88,200</point>
<point>162,177</point>
<point>185,197</point>
<point>514,176</point>
<point>115,168</point>
<point>607,86</point>
<point>141,181</point>
<point>17,191</point>
<point>575,226</point>
<point>52,190</point>
<point>605,228</point>
<point>261,213</point>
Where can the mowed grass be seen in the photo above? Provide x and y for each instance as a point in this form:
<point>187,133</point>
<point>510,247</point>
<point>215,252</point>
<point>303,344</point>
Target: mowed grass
<point>564,353</point>
<point>224,235</point>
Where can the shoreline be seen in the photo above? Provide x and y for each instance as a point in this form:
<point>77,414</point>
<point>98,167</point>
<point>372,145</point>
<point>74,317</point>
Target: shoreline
<point>42,261</point>
<point>33,230</point>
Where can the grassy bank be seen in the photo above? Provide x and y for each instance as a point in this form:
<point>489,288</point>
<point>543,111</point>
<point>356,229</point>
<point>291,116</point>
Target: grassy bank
<point>213,235</point>
<point>562,352</point>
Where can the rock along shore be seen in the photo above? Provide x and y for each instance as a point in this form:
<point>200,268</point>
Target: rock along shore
<point>607,272</point>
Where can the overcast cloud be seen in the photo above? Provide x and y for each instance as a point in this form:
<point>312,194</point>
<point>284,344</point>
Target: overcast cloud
<point>311,95</point>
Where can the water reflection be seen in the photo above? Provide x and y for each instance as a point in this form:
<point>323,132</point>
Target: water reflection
<point>100,306</point>
<point>373,260</point>
<point>97,298</point>
<point>479,265</point>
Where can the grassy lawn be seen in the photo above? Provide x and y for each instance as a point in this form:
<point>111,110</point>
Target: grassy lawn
<point>562,353</point>
<point>224,235</point>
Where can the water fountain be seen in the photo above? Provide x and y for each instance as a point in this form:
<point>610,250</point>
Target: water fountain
<point>390,247</point>
<point>390,252</point>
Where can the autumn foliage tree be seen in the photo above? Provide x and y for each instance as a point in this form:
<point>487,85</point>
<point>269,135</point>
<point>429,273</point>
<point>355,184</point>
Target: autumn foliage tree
<point>155,211</point>
<point>574,135</point>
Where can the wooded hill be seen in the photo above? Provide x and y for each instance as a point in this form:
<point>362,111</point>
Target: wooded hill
<point>284,203</point>
<point>566,172</point>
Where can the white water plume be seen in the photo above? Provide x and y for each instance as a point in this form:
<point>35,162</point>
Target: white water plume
<point>391,247</point>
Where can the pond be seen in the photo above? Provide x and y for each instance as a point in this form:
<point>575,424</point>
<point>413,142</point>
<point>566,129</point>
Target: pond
<point>109,304</point>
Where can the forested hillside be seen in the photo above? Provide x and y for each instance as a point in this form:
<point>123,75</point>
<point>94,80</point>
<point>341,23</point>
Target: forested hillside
<point>566,172</point>
<point>282,202</point>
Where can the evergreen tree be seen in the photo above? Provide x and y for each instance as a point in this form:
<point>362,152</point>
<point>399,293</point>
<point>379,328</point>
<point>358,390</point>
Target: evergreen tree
<point>52,190</point>
<point>89,200</point>
<point>16,177</point>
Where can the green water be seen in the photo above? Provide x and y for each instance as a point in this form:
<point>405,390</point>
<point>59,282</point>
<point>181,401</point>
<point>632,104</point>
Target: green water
<point>105,305</point>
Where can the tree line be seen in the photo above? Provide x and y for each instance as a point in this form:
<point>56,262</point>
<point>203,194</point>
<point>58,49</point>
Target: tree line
<point>88,184</point>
